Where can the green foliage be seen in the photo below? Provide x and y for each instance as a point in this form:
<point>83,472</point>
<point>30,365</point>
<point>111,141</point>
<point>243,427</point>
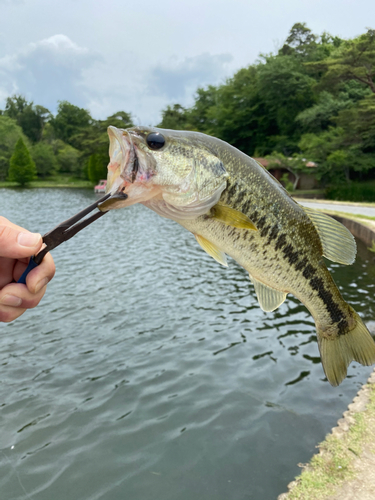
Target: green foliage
<point>29,117</point>
<point>234,112</point>
<point>45,159</point>
<point>285,89</point>
<point>314,99</point>
<point>22,168</point>
<point>289,186</point>
<point>354,191</point>
<point>94,140</point>
<point>359,124</point>
<point>96,169</point>
<point>318,147</point>
<point>174,118</point>
<point>320,115</point>
<point>69,122</point>
<point>61,144</point>
<point>352,60</point>
<point>68,160</point>
<point>295,164</point>
<point>10,132</point>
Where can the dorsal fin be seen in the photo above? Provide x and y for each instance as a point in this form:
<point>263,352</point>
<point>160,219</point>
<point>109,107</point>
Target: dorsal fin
<point>212,250</point>
<point>269,299</point>
<point>231,217</point>
<point>337,241</point>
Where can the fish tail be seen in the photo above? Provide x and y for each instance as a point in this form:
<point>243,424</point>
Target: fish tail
<point>338,352</point>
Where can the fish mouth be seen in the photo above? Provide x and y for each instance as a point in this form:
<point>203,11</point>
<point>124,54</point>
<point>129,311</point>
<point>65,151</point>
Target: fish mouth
<point>124,164</point>
<point>126,171</point>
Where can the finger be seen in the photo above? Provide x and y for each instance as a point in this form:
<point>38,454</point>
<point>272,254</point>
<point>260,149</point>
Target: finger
<point>8,314</point>
<point>41,275</point>
<point>18,295</point>
<point>16,242</point>
<point>7,267</point>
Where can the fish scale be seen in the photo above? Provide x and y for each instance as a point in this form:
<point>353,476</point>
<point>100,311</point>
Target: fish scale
<point>234,206</point>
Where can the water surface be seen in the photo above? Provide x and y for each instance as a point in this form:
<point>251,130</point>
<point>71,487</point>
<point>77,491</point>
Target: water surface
<point>149,371</point>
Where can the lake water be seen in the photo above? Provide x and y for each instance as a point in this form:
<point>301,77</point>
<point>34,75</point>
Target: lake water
<point>149,372</point>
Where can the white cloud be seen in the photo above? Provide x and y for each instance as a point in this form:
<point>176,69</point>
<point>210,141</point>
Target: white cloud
<point>126,83</point>
<point>141,56</point>
<point>48,71</point>
<point>176,78</point>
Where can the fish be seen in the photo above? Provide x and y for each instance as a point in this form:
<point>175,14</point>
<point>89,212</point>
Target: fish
<point>235,207</point>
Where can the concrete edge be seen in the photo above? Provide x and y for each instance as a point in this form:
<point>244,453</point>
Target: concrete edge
<point>361,400</point>
<point>359,404</point>
<point>358,229</point>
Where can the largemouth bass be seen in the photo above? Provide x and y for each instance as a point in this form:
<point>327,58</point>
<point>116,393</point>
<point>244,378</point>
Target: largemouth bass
<point>234,206</point>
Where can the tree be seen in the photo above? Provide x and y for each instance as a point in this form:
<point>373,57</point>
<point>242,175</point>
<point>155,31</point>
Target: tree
<point>295,164</point>
<point>174,118</point>
<point>29,117</point>
<point>234,112</point>
<point>69,122</point>
<point>45,159</point>
<point>324,113</point>
<point>94,140</point>
<point>353,60</point>
<point>200,117</point>
<point>22,168</point>
<point>10,132</point>
<point>96,168</point>
<point>307,47</point>
<point>300,40</point>
<point>68,160</point>
<point>358,123</point>
<point>286,90</point>
<point>120,119</point>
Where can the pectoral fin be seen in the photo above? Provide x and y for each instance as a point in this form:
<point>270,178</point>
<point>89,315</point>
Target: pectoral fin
<point>337,241</point>
<point>231,217</point>
<point>212,250</point>
<point>269,299</point>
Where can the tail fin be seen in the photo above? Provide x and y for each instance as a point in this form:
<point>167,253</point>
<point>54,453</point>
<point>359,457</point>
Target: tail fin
<point>337,353</point>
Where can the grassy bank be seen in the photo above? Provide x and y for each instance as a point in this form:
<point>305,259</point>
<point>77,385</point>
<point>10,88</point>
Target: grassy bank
<point>334,465</point>
<point>58,181</point>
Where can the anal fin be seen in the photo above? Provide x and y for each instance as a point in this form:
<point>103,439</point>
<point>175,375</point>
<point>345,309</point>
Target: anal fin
<point>212,250</point>
<point>269,299</point>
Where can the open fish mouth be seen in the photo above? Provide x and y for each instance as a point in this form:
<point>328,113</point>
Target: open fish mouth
<point>124,164</point>
<point>129,171</point>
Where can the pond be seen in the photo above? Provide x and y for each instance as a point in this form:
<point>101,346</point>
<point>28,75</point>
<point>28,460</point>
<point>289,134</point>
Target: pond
<point>150,372</point>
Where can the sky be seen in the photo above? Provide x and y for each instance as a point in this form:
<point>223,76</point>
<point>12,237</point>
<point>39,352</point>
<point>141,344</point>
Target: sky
<point>139,56</point>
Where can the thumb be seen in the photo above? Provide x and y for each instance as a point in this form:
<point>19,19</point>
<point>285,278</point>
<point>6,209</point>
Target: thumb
<point>16,242</point>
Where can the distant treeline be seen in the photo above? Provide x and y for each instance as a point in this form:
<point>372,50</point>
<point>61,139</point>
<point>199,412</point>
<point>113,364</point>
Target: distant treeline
<point>70,143</point>
<point>314,100</point>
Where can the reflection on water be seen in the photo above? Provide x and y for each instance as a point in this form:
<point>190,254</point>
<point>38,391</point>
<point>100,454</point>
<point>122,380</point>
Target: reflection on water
<point>149,371</point>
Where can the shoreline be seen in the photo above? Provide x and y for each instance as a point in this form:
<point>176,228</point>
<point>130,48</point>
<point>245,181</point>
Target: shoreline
<point>344,467</point>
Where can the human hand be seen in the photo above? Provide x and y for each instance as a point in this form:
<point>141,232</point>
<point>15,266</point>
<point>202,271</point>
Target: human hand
<point>16,246</point>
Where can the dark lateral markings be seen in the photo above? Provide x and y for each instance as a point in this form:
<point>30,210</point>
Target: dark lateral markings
<point>308,272</point>
<point>281,241</point>
<point>261,222</point>
<point>273,234</point>
<point>334,310</point>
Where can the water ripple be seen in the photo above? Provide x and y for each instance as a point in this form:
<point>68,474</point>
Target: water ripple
<point>149,371</point>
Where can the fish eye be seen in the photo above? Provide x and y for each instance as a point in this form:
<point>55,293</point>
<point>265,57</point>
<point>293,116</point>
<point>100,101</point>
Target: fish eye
<point>155,140</point>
